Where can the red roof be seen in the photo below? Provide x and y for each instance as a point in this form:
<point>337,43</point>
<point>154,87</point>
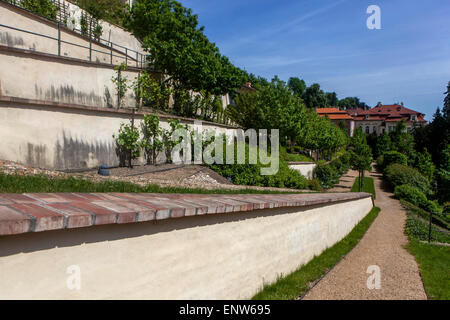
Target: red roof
<point>334,114</point>
<point>389,113</point>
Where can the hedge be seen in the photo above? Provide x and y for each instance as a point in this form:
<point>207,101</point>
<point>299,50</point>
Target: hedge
<point>391,157</point>
<point>398,175</point>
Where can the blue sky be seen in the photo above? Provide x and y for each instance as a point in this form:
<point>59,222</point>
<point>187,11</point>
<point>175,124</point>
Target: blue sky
<point>327,41</point>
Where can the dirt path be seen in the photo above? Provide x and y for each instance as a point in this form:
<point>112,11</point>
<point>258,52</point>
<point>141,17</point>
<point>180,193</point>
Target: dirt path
<point>383,246</point>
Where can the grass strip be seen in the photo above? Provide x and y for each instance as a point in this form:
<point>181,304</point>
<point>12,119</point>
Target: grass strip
<point>368,186</point>
<point>44,184</point>
<point>434,266</point>
<point>298,283</point>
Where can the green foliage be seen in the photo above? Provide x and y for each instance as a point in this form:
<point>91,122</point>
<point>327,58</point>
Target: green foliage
<point>411,194</point>
<point>167,141</point>
<point>327,175</point>
<point>401,140</point>
<point>352,103</point>
<point>250,174</point>
<point>45,8</point>
<point>84,25</point>
<point>443,176</point>
<point>151,141</point>
<point>121,83</point>
<point>113,11</point>
<point>398,175</point>
<point>424,164</point>
<point>361,154</point>
<point>380,162</point>
<point>418,229</point>
<point>179,47</point>
<point>97,33</point>
<point>127,144</point>
<point>391,157</point>
<point>297,86</point>
<point>43,184</point>
<point>314,97</point>
<point>383,145</point>
<point>299,282</point>
<point>152,92</point>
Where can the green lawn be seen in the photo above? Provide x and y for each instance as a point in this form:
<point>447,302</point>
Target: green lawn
<point>297,283</point>
<point>368,186</point>
<point>43,184</point>
<point>433,260</point>
<point>434,265</point>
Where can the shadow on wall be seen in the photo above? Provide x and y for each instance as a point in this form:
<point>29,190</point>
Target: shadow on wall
<point>68,94</point>
<point>31,242</point>
<point>75,154</point>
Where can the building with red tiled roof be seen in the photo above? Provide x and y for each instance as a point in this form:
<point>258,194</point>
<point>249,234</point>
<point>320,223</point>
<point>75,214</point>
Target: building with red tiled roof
<point>383,118</point>
<point>336,116</point>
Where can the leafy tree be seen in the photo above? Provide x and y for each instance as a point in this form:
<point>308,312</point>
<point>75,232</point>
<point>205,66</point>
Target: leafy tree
<point>121,83</point>
<point>424,164</point>
<point>332,99</point>
<point>44,8</point>
<point>151,141</point>
<point>178,47</point>
<point>383,144</point>
<point>127,144</point>
<point>402,141</point>
<point>113,11</point>
<point>361,155</point>
<point>152,91</point>
<point>297,86</point>
<point>352,103</point>
<point>314,97</point>
<point>443,176</point>
<point>446,109</point>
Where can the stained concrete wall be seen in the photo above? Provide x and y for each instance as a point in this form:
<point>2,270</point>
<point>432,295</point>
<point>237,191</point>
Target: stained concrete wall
<point>226,256</point>
<point>64,138</point>
<point>305,169</point>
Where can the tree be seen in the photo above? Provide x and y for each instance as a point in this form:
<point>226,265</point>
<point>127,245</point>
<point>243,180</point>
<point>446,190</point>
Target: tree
<point>383,144</point>
<point>127,144</point>
<point>315,97</point>
<point>446,109</point>
<point>113,11</point>
<point>297,86</point>
<point>352,103</point>
<point>361,155</point>
<point>424,164</point>
<point>443,176</point>
<point>332,99</point>
<point>151,142</point>
<point>179,48</point>
<point>402,141</point>
<point>45,8</point>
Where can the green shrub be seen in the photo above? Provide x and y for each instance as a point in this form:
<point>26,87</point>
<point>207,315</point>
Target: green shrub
<point>411,194</point>
<point>345,159</point>
<point>250,174</point>
<point>314,184</point>
<point>391,157</point>
<point>380,161</point>
<point>327,175</point>
<point>398,175</point>
<point>432,206</point>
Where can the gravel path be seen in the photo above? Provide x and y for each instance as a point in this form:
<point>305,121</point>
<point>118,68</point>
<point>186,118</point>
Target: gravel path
<point>383,246</point>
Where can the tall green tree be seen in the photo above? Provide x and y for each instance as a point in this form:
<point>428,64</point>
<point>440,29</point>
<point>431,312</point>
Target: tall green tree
<point>361,155</point>
<point>314,97</point>
<point>179,47</point>
<point>297,86</point>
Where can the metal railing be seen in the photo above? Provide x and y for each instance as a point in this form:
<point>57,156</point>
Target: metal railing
<point>140,60</point>
<point>136,58</point>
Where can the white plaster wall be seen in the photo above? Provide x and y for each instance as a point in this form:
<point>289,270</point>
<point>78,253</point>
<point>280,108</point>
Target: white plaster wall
<point>62,138</point>
<point>306,169</point>
<point>58,81</point>
<point>228,256</point>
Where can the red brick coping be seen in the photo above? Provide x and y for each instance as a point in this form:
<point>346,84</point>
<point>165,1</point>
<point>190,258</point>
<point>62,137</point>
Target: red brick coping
<point>35,212</point>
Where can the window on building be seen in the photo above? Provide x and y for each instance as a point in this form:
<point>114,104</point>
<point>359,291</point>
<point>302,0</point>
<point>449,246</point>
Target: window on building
<point>374,129</point>
<point>367,130</point>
